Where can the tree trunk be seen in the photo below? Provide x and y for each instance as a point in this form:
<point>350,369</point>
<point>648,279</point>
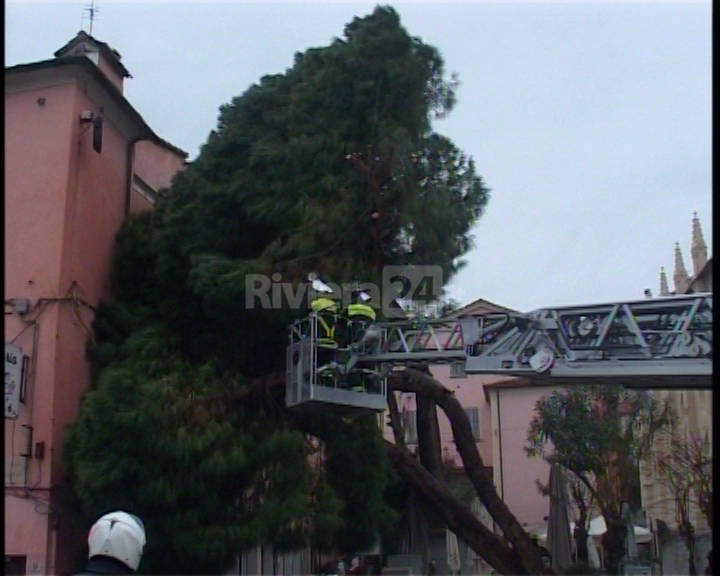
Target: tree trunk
<point>423,384</point>
<point>429,450</point>
<point>580,532</point>
<point>428,432</point>
<point>687,533</point>
<point>580,535</point>
<point>457,516</point>
<point>613,542</point>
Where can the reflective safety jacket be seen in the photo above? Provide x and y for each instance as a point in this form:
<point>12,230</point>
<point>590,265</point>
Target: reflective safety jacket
<point>361,310</point>
<point>326,311</point>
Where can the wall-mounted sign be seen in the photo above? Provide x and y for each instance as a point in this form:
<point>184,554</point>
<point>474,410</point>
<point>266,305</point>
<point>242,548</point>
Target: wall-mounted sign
<point>13,379</point>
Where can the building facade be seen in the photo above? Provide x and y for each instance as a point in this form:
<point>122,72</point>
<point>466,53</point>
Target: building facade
<point>78,160</point>
<point>693,409</point>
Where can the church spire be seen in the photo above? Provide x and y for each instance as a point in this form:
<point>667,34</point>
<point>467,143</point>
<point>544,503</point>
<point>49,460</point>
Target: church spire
<point>680,276</point>
<point>664,291</point>
<point>699,248</point>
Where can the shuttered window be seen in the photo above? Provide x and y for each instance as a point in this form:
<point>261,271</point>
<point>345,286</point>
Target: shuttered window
<point>473,415</point>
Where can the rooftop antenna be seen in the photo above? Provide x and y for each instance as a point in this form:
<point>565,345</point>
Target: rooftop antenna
<point>92,10</point>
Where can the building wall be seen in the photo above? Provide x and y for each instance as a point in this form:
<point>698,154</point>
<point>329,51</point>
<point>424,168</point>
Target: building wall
<point>110,72</point>
<point>156,164</point>
<point>37,163</point>
<point>38,148</point>
<point>515,474</point>
<point>693,409</point>
<point>694,417</point>
<point>96,204</point>
<point>64,205</point>
<point>154,167</point>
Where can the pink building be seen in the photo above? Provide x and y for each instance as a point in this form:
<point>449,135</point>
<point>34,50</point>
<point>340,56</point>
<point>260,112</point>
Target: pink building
<point>516,475</point>
<point>78,160</point>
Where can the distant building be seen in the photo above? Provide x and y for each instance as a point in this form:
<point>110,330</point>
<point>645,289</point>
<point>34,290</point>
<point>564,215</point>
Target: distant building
<point>78,160</point>
<point>694,417</point>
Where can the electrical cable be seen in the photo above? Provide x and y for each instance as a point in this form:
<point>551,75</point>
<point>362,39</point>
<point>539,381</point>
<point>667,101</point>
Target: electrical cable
<point>14,338</point>
<point>75,301</point>
<point>32,322</point>
<point>25,494</point>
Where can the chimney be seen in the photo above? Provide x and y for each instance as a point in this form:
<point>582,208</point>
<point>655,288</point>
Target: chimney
<point>680,276</point>
<point>103,56</point>
<point>698,249</point>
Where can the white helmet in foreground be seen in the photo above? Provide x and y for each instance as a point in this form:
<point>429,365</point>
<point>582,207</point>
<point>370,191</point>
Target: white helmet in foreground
<point>118,535</point>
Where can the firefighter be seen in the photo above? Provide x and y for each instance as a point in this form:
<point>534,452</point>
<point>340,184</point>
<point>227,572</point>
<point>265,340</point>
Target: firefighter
<point>360,317</point>
<point>325,310</point>
<point>361,337</point>
<point>116,543</point>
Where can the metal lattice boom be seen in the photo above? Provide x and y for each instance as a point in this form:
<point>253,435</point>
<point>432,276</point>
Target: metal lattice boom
<point>665,342</point>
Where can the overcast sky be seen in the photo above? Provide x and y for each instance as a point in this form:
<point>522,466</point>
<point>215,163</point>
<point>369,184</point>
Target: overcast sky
<point>589,122</point>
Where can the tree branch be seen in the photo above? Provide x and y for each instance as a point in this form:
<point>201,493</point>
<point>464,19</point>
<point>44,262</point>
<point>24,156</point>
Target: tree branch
<point>411,380</point>
<point>457,516</point>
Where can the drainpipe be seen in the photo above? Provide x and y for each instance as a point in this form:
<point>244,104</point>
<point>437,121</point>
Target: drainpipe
<point>500,450</point>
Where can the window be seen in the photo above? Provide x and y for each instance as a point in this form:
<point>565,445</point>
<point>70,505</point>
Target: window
<point>473,415</point>
<point>457,370</point>
<point>144,189</point>
<point>409,426</point>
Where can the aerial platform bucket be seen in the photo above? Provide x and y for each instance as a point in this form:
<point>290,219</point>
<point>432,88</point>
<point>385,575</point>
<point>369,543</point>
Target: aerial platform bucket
<point>306,390</point>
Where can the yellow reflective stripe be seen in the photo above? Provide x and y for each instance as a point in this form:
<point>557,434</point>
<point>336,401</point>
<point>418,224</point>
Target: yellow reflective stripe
<point>329,330</point>
<point>327,343</point>
<point>323,304</point>
<point>361,310</point>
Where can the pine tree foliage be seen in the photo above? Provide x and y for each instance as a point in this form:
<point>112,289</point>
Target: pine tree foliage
<point>330,167</point>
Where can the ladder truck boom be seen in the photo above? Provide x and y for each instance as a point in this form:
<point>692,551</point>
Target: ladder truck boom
<point>648,343</point>
<point>652,343</point>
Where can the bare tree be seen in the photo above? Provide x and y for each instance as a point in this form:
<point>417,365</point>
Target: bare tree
<point>686,469</point>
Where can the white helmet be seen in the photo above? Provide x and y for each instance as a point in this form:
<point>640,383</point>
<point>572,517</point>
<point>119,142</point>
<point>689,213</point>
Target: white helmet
<point>118,535</point>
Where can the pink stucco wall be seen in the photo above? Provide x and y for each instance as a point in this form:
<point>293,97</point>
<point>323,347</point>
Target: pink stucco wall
<point>64,205</point>
<point>110,72</point>
<point>38,148</point>
<point>515,473</point>
<point>37,169</point>
<point>156,164</point>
